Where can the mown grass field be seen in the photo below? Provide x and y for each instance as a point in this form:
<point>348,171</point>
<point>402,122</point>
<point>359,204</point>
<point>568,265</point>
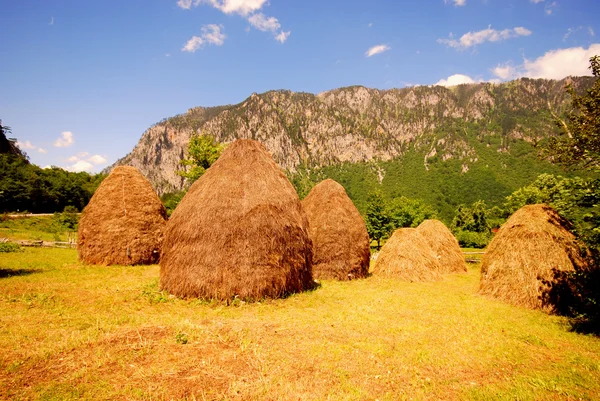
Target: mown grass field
<point>69,331</point>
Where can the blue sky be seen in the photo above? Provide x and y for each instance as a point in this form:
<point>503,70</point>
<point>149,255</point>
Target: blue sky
<point>82,80</point>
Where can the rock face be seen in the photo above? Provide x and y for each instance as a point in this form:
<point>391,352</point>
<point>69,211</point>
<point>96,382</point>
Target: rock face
<point>357,124</point>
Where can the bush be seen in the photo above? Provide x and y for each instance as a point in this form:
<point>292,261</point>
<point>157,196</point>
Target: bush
<point>470,239</point>
<point>10,247</point>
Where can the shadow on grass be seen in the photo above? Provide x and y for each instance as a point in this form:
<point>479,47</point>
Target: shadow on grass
<point>5,273</point>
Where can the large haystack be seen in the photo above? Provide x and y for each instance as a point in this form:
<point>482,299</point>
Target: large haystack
<point>339,235</point>
<point>239,231</point>
<point>123,223</point>
<point>408,256</point>
<point>533,241</point>
<point>445,245</point>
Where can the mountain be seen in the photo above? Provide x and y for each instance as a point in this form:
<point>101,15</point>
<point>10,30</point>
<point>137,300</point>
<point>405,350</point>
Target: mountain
<point>445,145</point>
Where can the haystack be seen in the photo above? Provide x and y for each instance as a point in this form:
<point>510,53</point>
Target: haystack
<point>338,233</point>
<point>408,256</point>
<point>239,231</point>
<point>533,241</point>
<point>445,245</point>
<point>123,223</point>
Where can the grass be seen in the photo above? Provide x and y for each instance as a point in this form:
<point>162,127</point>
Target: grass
<point>35,228</point>
<point>69,331</point>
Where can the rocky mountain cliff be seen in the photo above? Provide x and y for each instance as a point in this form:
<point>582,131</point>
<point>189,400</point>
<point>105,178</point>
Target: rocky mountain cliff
<point>358,124</point>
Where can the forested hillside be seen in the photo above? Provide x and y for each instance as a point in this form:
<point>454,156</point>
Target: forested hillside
<point>27,187</point>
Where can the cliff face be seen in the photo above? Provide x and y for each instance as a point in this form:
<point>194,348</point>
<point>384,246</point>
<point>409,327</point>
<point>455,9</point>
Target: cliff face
<point>357,124</point>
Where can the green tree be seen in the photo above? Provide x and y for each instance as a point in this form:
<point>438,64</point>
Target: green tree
<point>378,218</point>
<point>579,142</point>
<point>203,151</point>
<point>405,212</point>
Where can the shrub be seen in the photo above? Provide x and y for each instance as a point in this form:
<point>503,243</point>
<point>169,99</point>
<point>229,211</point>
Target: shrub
<point>471,239</point>
<point>10,247</point>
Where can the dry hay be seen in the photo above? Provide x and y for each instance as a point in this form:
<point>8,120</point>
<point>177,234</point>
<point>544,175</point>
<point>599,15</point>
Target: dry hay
<point>239,231</point>
<point>123,223</point>
<point>445,245</point>
<point>533,241</point>
<point>408,256</point>
<point>338,232</point>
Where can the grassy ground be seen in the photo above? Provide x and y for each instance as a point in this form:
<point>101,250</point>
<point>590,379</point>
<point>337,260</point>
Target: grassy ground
<point>35,228</point>
<point>69,331</point>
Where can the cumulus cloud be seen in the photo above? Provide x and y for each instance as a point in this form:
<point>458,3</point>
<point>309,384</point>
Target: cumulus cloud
<point>65,140</point>
<point>470,39</point>
<point>248,9</point>
<point>84,162</point>
<point>376,50</point>
<point>211,34</point>
<point>457,3</point>
<point>268,24</point>
<point>555,64</point>
<point>25,145</point>
<point>456,79</point>
<point>42,151</point>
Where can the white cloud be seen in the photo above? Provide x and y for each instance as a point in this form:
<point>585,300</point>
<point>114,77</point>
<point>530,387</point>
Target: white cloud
<point>248,9</point>
<point>457,3</point>
<point>81,165</point>
<point>51,21</point>
<point>211,34</point>
<point>470,39</point>
<point>65,140</point>
<point>25,145</point>
<point>262,23</point>
<point>550,7</point>
<point>42,151</point>
<point>536,1</point>
<point>241,7</point>
<point>504,72</point>
<point>571,31</point>
<point>376,50</point>
<point>456,79</point>
<point>84,162</point>
<point>555,64</point>
<point>282,36</point>
<point>97,159</point>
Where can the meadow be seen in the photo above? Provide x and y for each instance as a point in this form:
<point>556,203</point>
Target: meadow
<point>71,331</point>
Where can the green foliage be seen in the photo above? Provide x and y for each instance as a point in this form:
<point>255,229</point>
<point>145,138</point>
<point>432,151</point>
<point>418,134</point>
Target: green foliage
<point>471,239</point>
<point>203,151</point>
<point>579,142</point>
<point>405,212</point>
<point>471,225</point>
<point>181,338</point>
<point>69,218</point>
<point>171,200</point>
<point>378,220</point>
<point>6,247</point>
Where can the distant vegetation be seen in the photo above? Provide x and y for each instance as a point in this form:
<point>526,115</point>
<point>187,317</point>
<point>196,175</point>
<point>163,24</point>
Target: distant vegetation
<point>27,187</point>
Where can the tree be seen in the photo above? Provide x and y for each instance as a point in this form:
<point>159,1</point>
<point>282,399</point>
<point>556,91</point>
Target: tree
<point>378,219</point>
<point>576,294</point>
<point>405,212</point>
<point>203,151</point>
<point>579,142</point>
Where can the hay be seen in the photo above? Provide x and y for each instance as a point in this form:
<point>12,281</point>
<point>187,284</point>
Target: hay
<point>408,256</point>
<point>445,245</point>
<point>123,223</point>
<point>239,231</point>
<point>339,235</point>
<point>533,241</point>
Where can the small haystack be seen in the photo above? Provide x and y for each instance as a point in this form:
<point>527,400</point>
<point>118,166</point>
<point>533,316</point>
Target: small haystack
<point>533,241</point>
<point>338,232</point>
<point>123,223</point>
<point>445,245</point>
<point>408,256</point>
<point>239,231</point>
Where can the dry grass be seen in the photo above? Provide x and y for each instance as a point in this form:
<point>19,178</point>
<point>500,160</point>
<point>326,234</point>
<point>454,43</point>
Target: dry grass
<point>528,247</point>
<point>69,331</point>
